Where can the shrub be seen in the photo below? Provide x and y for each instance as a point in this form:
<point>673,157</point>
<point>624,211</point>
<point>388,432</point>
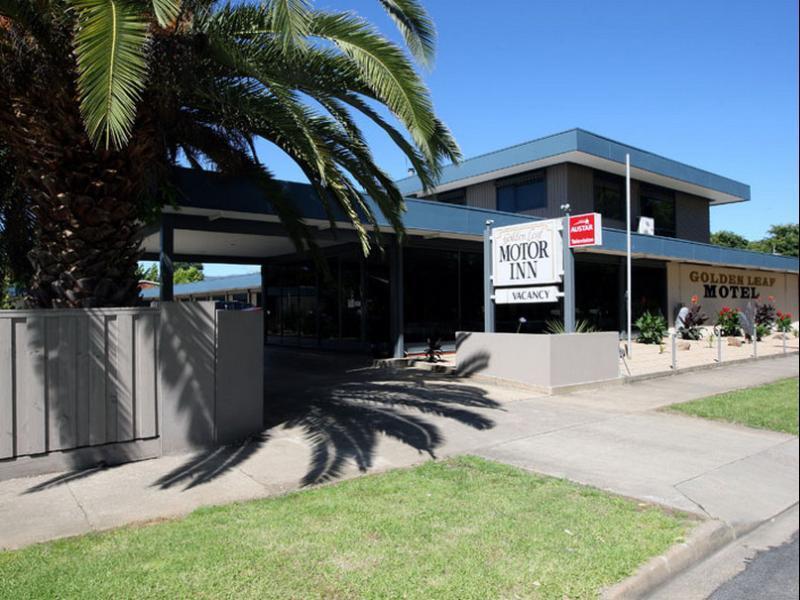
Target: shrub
<point>581,326</point>
<point>693,321</point>
<point>729,322</point>
<point>784,322</point>
<point>765,313</point>
<point>762,330</point>
<point>652,328</point>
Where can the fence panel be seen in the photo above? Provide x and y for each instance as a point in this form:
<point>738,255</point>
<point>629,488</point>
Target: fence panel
<point>74,378</point>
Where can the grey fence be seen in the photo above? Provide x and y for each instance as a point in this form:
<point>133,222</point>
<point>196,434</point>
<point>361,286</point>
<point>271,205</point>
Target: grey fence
<point>76,378</point>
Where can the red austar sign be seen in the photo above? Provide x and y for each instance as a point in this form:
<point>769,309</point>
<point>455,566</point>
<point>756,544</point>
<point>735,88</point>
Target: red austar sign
<point>585,230</point>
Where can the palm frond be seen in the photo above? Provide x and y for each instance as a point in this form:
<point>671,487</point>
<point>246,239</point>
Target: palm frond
<point>289,20</point>
<point>415,25</point>
<point>166,11</point>
<point>110,49</point>
<point>383,68</point>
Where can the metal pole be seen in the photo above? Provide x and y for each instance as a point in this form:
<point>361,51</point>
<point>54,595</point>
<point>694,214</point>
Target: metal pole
<point>166,266</point>
<point>783,335</point>
<point>569,276</point>
<point>488,286</point>
<point>674,356</point>
<point>628,245</point>
<point>396,299</point>
<point>719,347</point>
<point>755,344</point>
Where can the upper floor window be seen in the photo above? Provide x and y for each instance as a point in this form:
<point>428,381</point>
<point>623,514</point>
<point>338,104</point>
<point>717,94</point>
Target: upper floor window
<point>659,204</point>
<point>609,195</point>
<point>453,197</point>
<point>518,194</point>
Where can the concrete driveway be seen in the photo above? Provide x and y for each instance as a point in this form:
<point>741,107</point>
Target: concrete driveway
<point>331,417</point>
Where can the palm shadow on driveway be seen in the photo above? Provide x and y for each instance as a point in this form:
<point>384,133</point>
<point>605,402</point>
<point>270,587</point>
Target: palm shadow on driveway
<point>342,409</point>
<point>344,421</point>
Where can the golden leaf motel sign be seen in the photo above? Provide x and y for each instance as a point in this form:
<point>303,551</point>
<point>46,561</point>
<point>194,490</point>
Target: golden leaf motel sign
<point>731,284</point>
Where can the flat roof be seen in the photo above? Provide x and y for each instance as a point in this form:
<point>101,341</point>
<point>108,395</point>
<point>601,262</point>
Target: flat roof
<point>583,147</point>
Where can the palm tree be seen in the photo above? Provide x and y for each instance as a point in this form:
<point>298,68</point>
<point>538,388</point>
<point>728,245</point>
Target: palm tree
<point>100,98</point>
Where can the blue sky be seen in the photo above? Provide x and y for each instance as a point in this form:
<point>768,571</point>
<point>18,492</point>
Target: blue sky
<point>713,84</point>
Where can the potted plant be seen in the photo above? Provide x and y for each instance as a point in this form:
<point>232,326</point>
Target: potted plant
<point>652,328</point>
<point>433,350</point>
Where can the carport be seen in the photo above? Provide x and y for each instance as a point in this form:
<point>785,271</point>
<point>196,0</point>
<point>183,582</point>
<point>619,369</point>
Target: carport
<point>222,219</point>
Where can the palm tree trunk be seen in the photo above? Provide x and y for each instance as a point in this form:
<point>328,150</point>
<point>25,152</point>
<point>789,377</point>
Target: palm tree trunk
<point>87,206</point>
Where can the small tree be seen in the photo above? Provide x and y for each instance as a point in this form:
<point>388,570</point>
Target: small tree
<point>184,273</point>
<point>781,239</point>
<point>729,239</point>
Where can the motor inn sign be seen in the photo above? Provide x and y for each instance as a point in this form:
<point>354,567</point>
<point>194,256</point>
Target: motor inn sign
<point>527,254</point>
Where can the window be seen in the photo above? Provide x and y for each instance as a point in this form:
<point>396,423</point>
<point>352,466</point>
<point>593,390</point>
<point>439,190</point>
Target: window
<point>659,204</point>
<point>453,197</point>
<point>609,195</point>
<point>519,194</point>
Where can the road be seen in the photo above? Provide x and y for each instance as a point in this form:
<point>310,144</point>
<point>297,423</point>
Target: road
<point>771,575</point>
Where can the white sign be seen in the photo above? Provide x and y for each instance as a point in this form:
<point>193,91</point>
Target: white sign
<point>527,295</point>
<point>527,254</point>
<point>647,225</point>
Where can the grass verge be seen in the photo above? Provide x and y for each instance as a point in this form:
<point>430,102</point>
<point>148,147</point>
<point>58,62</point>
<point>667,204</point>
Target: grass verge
<point>460,528</point>
<point>773,406</point>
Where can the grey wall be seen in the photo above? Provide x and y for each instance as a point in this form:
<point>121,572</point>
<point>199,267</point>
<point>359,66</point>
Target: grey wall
<point>239,368</point>
<point>482,195</point>
<point>71,378</point>
<point>188,332</point>
<point>692,219</point>
<point>211,375</point>
<point>547,362</point>
<point>78,387</point>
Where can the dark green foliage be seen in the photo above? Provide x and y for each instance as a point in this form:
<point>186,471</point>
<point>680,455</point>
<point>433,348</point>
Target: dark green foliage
<point>780,239</point>
<point>652,328</point>
<point>101,99</point>
<point>729,239</point>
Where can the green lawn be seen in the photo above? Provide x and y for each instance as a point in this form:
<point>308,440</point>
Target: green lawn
<point>772,406</point>
<point>461,528</point>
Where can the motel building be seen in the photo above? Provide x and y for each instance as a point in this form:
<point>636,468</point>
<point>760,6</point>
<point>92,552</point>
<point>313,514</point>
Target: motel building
<point>432,285</point>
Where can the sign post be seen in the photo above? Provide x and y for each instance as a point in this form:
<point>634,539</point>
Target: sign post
<point>569,274</point>
<point>628,249</point>
<point>488,283</point>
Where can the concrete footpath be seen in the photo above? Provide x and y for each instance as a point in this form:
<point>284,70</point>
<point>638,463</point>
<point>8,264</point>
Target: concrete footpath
<point>330,419</point>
